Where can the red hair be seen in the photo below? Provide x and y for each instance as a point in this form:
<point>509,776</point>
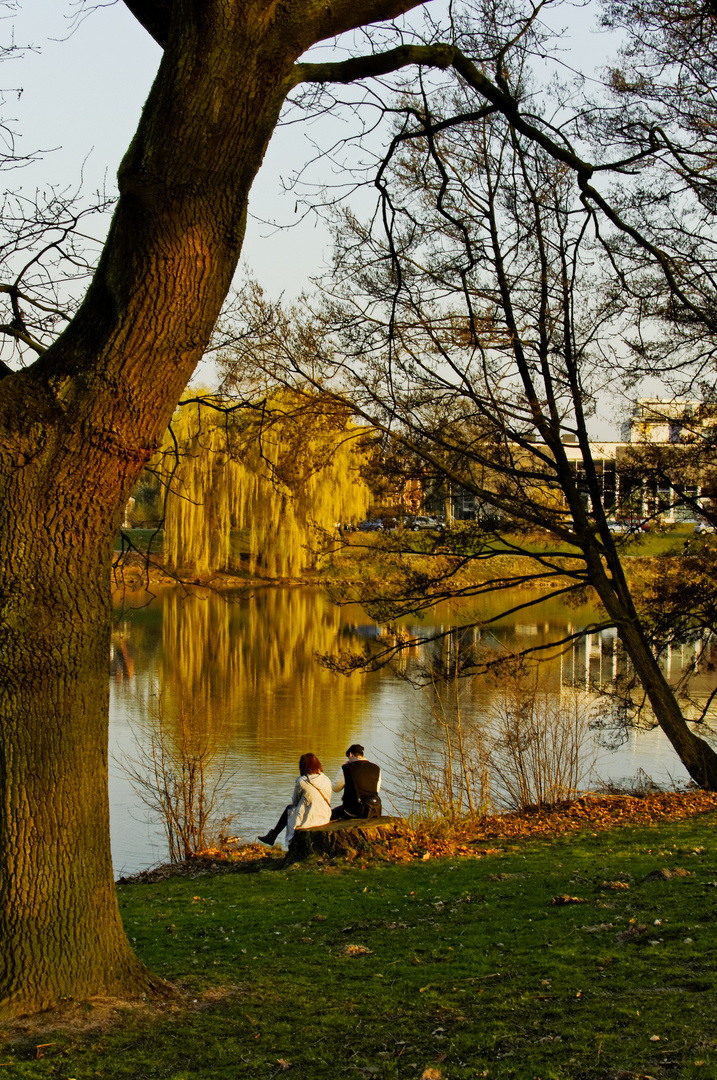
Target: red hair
<point>309,764</point>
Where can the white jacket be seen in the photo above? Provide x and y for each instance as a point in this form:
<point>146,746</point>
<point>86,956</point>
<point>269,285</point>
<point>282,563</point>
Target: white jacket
<point>308,805</point>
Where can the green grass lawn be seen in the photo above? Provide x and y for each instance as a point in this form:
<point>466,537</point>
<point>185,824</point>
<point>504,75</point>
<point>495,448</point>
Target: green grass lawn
<point>366,550</point>
<point>650,543</point>
<point>542,959</point>
<point>671,542</point>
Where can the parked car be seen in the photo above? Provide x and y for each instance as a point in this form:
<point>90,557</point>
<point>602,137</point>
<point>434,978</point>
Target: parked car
<point>424,522</point>
<point>629,525</point>
<point>373,525</point>
<point>704,527</point>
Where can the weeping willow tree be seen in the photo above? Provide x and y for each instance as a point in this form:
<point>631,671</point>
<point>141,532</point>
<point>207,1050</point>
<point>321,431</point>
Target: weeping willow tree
<point>285,470</point>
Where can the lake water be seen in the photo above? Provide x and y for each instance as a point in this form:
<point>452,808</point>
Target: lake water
<point>243,669</point>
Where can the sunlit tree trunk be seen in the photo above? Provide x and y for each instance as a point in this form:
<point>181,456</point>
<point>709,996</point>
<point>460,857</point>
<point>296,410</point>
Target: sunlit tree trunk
<point>76,429</point>
<point>59,925</point>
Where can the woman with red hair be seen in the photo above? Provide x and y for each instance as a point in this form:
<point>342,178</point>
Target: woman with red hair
<point>310,804</point>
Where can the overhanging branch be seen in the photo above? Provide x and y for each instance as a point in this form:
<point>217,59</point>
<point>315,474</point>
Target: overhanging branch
<point>444,56</point>
<point>371,67</point>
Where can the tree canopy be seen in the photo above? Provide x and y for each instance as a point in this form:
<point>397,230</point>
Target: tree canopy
<point>82,418</point>
<point>284,470</point>
<point>530,253</point>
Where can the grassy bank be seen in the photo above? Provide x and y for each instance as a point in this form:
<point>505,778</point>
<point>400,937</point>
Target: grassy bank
<point>377,558</point>
<point>584,952</point>
<point>371,558</point>
<point>357,544</point>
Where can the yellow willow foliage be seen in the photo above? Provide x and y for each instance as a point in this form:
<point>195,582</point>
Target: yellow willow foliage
<point>201,479</point>
<point>249,664</point>
<point>283,474</point>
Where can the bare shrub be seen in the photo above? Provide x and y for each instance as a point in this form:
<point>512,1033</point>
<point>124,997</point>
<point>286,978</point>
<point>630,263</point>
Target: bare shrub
<point>445,772</point>
<point>181,773</point>
<point>533,747</point>
<point>542,750</point>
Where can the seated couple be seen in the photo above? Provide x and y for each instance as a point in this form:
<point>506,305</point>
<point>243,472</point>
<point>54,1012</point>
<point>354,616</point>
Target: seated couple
<point>359,782</point>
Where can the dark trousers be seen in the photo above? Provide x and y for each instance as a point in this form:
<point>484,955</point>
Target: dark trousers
<point>281,823</point>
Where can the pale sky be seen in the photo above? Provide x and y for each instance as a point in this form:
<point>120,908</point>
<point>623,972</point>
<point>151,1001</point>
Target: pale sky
<point>82,89</point>
<point>82,93</point>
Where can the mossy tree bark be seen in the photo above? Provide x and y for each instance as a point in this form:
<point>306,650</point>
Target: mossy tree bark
<point>75,430</point>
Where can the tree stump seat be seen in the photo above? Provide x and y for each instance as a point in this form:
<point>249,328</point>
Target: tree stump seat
<point>344,838</point>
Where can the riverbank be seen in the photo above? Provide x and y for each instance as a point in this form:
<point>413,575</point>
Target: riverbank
<point>472,838</point>
<point>364,562</point>
<point>580,954</point>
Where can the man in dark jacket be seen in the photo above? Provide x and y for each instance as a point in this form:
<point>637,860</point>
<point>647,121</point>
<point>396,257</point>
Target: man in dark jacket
<point>359,782</point>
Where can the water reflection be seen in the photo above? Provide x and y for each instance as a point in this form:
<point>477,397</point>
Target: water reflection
<point>245,668</point>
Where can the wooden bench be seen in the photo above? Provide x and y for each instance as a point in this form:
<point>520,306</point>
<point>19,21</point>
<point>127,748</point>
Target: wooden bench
<point>344,838</point>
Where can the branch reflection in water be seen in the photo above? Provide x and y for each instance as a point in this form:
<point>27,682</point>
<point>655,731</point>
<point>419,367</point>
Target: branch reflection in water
<point>247,665</point>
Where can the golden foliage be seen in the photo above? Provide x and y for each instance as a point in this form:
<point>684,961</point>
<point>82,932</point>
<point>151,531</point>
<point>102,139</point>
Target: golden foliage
<point>215,649</point>
<point>286,472</point>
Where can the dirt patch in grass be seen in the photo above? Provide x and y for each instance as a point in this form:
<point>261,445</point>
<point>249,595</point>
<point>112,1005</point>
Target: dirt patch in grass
<point>99,1015</point>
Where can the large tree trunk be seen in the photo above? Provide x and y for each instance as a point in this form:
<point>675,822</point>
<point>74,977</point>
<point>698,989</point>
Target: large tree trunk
<point>59,924</point>
<point>75,430</point>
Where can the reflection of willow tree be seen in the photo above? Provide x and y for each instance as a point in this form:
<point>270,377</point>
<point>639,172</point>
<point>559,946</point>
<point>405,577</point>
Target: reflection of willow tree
<point>286,471</point>
<point>250,656</point>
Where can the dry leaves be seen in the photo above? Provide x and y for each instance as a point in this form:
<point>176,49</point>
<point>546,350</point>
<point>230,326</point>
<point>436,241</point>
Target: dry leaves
<point>469,840</point>
<point>590,812</point>
<point>666,875</point>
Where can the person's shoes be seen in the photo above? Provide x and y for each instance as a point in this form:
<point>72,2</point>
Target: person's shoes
<point>267,839</point>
